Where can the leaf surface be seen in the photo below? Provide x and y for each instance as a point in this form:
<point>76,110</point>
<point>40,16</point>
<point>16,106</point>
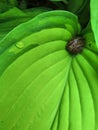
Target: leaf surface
<point>44,87</point>
<point>50,89</point>
<point>94,19</point>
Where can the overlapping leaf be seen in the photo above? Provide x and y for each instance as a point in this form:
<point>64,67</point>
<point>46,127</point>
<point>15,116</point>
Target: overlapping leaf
<point>94,19</point>
<point>44,87</point>
<point>13,17</point>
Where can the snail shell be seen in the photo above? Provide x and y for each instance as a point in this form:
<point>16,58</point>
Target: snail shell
<point>76,45</point>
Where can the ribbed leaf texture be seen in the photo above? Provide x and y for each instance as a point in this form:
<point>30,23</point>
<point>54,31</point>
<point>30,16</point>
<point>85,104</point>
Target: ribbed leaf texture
<point>94,19</point>
<point>42,86</point>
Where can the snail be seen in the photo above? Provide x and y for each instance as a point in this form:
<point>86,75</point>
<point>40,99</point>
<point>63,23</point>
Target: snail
<point>76,45</point>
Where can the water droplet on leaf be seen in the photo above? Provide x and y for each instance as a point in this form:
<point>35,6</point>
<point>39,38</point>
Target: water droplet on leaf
<point>20,45</point>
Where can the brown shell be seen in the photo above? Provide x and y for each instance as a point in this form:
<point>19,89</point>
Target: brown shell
<point>76,45</point>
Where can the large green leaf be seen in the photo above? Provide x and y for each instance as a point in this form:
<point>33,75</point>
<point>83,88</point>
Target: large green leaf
<point>77,6</point>
<point>46,88</point>
<point>94,18</point>
<point>10,19</point>
<point>48,29</point>
<point>13,17</point>
<point>81,8</point>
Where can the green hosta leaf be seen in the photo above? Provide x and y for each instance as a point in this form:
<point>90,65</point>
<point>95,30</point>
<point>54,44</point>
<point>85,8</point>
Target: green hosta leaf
<point>56,28</point>
<point>11,18</point>
<point>14,16</point>
<point>43,68</point>
<point>75,6</point>
<point>94,19</point>
<point>4,7</point>
<point>44,87</point>
<point>89,37</point>
<point>48,84</point>
<point>81,8</point>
